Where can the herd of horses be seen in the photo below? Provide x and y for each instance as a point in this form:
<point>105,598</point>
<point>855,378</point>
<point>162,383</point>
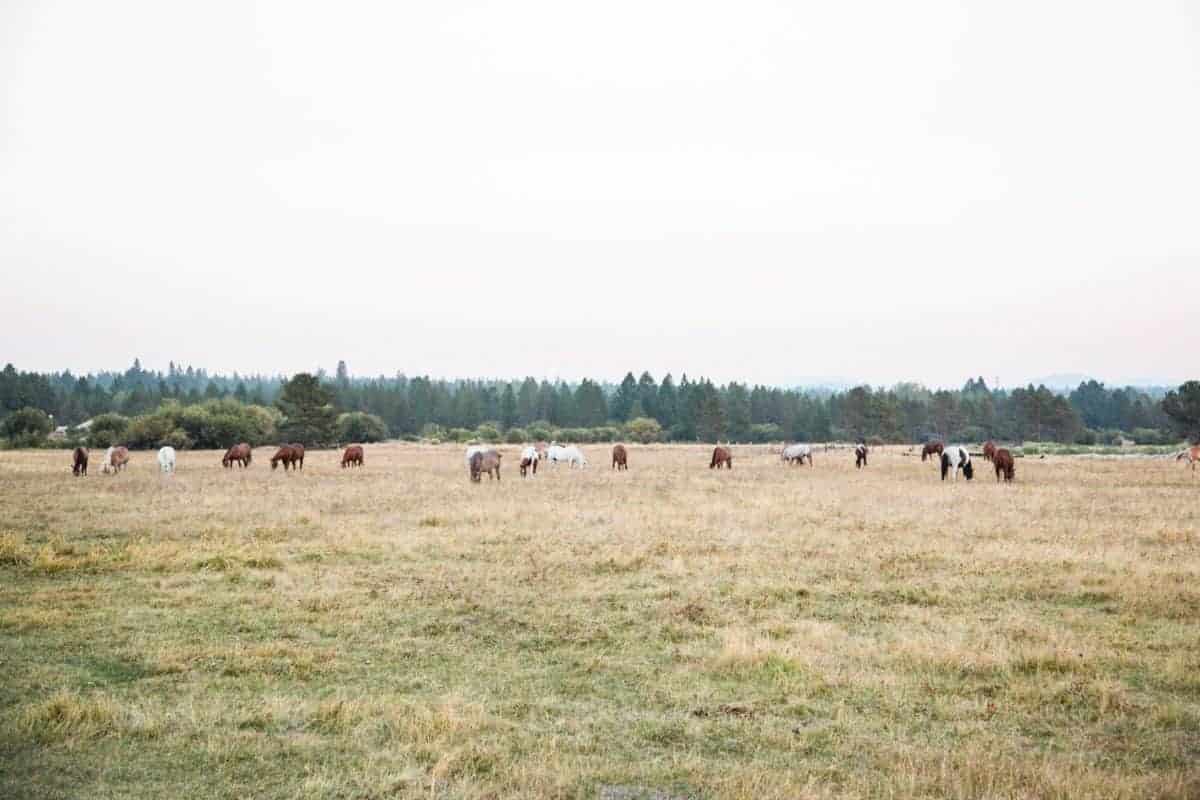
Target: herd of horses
<point>953,459</point>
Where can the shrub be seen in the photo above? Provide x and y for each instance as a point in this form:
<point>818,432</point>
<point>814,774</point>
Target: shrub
<point>516,436</point>
<point>575,435</point>
<point>107,430</point>
<point>765,432</point>
<point>147,431</point>
<point>1086,436</point>
<point>27,427</point>
<point>643,430</point>
<point>541,430</point>
<point>1151,436</point>
<point>357,426</point>
<point>488,432</point>
<point>178,439</point>
<point>460,435</point>
<point>606,433</point>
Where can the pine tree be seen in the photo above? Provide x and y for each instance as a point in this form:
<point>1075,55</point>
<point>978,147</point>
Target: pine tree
<point>623,400</point>
<point>307,406</point>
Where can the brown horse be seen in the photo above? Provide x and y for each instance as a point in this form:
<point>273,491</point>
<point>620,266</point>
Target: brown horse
<point>79,467</point>
<point>239,453</point>
<point>721,458</point>
<point>286,455</point>
<point>620,458</point>
<point>1002,460</point>
<point>529,461</point>
<point>1192,454</point>
<point>485,461</point>
<point>353,457</point>
<point>298,455</point>
<point>119,458</point>
<point>933,449</point>
<point>989,450</point>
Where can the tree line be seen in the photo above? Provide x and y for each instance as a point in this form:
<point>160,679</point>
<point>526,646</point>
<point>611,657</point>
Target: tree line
<point>189,407</point>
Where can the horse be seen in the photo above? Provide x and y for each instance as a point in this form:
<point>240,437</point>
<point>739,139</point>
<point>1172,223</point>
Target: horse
<point>571,455</point>
<point>860,455</point>
<point>541,448</point>
<point>286,455</point>
<point>931,449</point>
<point>79,466</point>
<point>1002,460</point>
<point>115,459</point>
<point>989,450</point>
<point>620,459</point>
<point>485,461</point>
<point>796,453</point>
<point>721,457</point>
<point>473,449</point>
<point>1192,454</point>
<point>166,459</point>
<point>239,453</point>
<point>957,457</point>
<point>529,460</point>
<point>297,455</point>
<point>353,456</point>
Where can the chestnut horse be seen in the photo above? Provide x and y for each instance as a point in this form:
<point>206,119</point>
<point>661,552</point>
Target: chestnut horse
<point>860,455</point>
<point>79,467</point>
<point>485,461</point>
<point>240,453</point>
<point>989,450</point>
<point>620,458</point>
<point>721,458</point>
<point>116,459</point>
<point>1192,454</point>
<point>298,455</point>
<point>932,449</point>
<point>1002,460</point>
<point>286,455</point>
<point>353,457</point>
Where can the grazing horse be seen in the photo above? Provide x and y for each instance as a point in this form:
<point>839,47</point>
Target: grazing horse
<point>239,453</point>
<point>796,453</point>
<point>79,466</point>
<point>286,455</point>
<point>932,449</point>
<point>166,460</point>
<point>860,455</point>
<point>989,450</point>
<point>485,461</point>
<point>353,456</point>
<point>1002,460</point>
<point>115,459</point>
<point>529,460</point>
<point>571,454</point>
<point>1192,454</point>
<point>956,457</point>
<point>473,449</point>
<point>620,458</point>
<point>541,448</point>
<point>297,455</point>
<point>721,457</point>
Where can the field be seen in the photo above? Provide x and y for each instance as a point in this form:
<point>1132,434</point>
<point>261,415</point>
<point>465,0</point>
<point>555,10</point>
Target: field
<point>672,631</point>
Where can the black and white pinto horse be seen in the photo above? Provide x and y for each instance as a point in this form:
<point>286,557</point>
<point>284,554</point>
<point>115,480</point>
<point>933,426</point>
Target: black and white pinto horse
<point>956,457</point>
<point>860,455</point>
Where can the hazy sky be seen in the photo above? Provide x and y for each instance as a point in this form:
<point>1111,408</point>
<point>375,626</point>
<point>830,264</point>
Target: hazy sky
<point>749,190</point>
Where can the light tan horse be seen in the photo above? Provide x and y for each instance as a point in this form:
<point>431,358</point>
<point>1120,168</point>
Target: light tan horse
<point>1192,454</point>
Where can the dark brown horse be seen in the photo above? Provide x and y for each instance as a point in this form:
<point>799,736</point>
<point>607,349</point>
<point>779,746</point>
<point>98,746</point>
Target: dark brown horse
<point>620,458</point>
<point>989,450</point>
<point>933,449</point>
<point>286,455</point>
<point>239,454</point>
<point>298,455</point>
<point>485,461</point>
<point>721,458</point>
<point>353,456</point>
<point>1002,460</point>
<point>79,467</point>
<point>860,455</point>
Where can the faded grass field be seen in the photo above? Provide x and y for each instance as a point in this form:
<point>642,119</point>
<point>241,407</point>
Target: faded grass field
<point>769,632</point>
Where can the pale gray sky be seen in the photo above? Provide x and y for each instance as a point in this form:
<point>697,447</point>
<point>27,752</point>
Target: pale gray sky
<point>750,190</point>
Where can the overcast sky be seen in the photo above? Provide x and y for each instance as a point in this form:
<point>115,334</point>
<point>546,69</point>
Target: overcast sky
<point>749,190</point>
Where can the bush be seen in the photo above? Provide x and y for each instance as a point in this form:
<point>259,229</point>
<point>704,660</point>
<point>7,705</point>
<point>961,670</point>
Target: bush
<point>606,433</point>
<point>488,432</point>
<point>178,439</point>
<point>1151,436</point>
<point>1086,436</point>
<point>107,430</point>
<point>432,432</point>
<point>643,430</point>
<point>147,431</point>
<point>516,436</point>
<point>766,432</point>
<point>27,427</point>
<point>541,430</point>
<point>357,426</point>
<point>460,435</point>
<point>575,435</point>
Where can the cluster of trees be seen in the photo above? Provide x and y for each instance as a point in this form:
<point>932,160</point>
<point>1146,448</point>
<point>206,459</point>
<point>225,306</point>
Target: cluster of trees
<point>172,408</point>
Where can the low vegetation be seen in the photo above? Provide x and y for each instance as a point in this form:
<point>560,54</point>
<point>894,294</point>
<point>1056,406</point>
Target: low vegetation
<point>671,631</point>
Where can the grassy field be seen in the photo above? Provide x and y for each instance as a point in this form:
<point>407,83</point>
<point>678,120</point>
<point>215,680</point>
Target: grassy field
<point>769,632</point>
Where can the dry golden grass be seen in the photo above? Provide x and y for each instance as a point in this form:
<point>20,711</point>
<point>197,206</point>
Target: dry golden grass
<point>397,631</point>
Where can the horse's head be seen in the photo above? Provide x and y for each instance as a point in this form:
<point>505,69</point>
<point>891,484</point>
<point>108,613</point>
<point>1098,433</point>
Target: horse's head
<point>968,470</point>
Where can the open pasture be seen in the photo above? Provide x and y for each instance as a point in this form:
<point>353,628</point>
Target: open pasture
<point>765,632</point>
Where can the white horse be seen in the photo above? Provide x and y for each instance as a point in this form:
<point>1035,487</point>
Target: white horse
<point>796,453</point>
<point>571,455</point>
<point>107,467</point>
<point>956,457</point>
<point>529,460</point>
<point>166,459</point>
